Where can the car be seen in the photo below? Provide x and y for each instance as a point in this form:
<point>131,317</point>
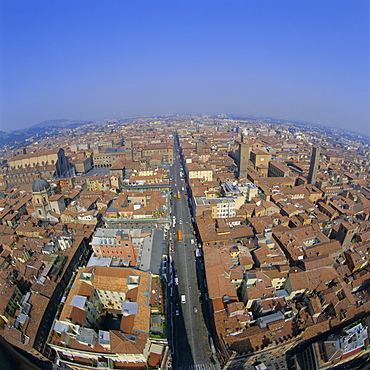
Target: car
<point>183,298</point>
<point>176,280</point>
<point>177,312</point>
<point>195,309</point>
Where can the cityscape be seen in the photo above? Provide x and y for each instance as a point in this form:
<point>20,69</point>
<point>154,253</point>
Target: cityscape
<point>199,241</point>
<point>184,185</point>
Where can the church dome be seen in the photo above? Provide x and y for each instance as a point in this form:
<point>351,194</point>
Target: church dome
<point>40,185</point>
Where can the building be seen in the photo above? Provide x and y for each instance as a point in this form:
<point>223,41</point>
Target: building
<point>260,160</point>
<point>106,321</point>
<point>346,233</point>
<point>107,157</point>
<point>246,189</point>
<point>200,171</point>
<point>220,207</point>
<point>314,165</point>
<point>53,161</point>
<point>244,153</point>
<point>199,146</point>
<point>139,248</point>
<point>43,199</point>
<point>278,169</point>
<point>10,299</point>
<point>83,164</point>
<point>163,149</point>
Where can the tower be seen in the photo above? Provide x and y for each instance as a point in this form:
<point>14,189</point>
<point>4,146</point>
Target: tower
<point>345,234</point>
<point>243,155</point>
<point>199,146</point>
<point>314,165</point>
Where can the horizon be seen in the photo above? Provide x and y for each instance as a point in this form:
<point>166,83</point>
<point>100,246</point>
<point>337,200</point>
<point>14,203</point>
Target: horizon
<point>228,116</point>
<point>93,61</point>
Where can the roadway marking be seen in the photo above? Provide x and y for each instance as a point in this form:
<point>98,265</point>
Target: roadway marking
<point>197,367</point>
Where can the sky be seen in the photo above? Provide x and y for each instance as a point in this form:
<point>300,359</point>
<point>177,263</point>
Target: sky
<point>306,60</point>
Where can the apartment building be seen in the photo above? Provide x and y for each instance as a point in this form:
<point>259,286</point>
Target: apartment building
<point>105,320</point>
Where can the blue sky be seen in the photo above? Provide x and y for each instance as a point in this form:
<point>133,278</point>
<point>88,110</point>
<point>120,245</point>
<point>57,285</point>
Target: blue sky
<point>303,60</point>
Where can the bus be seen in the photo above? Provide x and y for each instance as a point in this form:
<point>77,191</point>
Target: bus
<point>179,235</point>
<point>178,195</point>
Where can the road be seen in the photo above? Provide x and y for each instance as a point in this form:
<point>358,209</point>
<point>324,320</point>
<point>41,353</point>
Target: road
<point>190,340</point>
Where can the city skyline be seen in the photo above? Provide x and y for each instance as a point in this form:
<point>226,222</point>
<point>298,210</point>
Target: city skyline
<point>96,60</point>
<point>131,243</point>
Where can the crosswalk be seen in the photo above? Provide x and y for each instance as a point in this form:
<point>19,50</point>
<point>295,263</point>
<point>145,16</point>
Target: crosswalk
<point>197,367</point>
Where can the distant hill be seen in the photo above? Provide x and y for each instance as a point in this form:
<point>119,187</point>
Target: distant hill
<point>61,123</point>
<point>19,138</point>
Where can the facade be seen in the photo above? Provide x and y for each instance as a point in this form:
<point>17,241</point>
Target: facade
<point>10,300</point>
<point>103,160</point>
<point>83,164</point>
<point>55,159</point>
<point>219,207</point>
<point>200,171</point>
<point>98,183</point>
<point>152,149</point>
<point>260,160</point>
<point>278,169</point>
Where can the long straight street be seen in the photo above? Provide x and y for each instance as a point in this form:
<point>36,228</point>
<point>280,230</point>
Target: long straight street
<point>191,343</point>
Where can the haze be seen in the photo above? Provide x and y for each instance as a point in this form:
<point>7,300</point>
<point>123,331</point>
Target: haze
<point>298,60</point>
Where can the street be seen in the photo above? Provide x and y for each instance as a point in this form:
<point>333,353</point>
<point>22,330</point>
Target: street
<point>190,339</point>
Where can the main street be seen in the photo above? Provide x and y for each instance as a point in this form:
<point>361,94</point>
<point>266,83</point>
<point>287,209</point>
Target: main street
<point>190,340</point>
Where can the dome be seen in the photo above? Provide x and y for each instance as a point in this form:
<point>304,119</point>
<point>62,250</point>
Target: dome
<point>40,185</point>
